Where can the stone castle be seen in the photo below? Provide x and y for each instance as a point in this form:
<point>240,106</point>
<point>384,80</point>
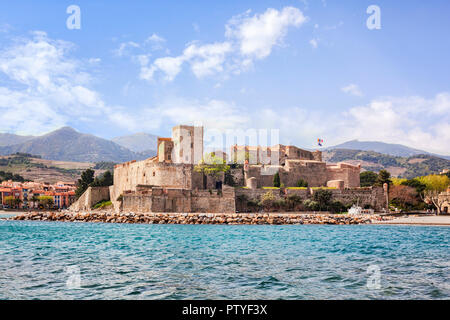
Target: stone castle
<point>169,182</point>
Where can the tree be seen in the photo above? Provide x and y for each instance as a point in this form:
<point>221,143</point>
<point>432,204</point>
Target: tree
<point>435,184</point>
<point>403,196</point>
<point>104,180</point>
<point>276,180</point>
<point>367,178</point>
<point>211,165</point>
<point>268,199</point>
<point>416,184</point>
<point>12,202</point>
<point>46,201</point>
<point>323,198</point>
<point>383,177</point>
<point>302,183</point>
<point>87,177</point>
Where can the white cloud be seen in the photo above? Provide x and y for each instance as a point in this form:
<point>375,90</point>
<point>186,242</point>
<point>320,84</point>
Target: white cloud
<point>258,34</point>
<point>248,38</point>
<point>210,113</point>
<point>413,121</point>
<point>48,89</point>
<point>314,43</point>
<point>124,48</point>
<point>352,89</point>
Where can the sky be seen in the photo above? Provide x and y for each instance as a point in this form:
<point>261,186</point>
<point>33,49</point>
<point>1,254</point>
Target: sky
<point>310,69</point>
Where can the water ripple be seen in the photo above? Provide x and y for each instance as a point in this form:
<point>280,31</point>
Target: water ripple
<point>121,261</point>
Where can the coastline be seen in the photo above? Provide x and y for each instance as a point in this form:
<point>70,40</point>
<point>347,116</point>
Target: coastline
<point>418,221</point>
<point>202,218</point>
<point>278,218</point>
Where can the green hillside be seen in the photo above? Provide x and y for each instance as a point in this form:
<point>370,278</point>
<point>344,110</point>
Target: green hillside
<point>403,167</point>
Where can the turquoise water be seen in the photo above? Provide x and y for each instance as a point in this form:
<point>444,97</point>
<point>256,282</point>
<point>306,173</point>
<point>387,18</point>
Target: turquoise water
<point>122,261</point>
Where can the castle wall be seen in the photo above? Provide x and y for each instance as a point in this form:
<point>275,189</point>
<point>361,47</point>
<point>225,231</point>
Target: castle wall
<point>343,171</point>
<point>313,172</point>
<point>373,196</point>
<point>180,200</point>
<point>89,198</point>
<point>129,175</point>
<point>213,202</point>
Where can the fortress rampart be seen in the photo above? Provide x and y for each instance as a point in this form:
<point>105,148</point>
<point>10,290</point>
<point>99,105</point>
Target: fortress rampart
<point>169,182</point>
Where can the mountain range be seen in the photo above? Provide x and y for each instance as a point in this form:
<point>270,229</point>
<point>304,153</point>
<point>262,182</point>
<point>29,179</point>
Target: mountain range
<point>67,144</point>
<point>392,149</point>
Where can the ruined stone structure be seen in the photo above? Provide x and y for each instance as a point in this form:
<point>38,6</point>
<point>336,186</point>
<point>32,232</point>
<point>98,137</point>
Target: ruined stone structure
<point>444,201</point>
<point>169,183</point>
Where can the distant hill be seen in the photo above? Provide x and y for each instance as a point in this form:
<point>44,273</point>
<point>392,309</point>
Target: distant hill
<point>392,149</point>
<point>41,170</point>
<point>404,167</point>
<point>8,139</point>
<point>139,142</point>
<point>67,144</point>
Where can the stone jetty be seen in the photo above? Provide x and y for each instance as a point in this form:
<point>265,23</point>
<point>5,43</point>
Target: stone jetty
<point>203,218</point>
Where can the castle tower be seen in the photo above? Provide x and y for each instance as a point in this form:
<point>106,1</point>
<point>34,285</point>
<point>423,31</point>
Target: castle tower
<point>188,144</point>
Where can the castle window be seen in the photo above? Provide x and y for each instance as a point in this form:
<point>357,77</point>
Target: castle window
<point>168,156</point>
<point>192,144</point>
<point>154,173</point>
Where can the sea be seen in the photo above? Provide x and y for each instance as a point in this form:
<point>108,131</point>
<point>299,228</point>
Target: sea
<point>78,260</point>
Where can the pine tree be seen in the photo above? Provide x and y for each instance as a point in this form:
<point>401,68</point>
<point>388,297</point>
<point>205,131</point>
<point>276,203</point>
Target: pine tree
<point>276,180</point>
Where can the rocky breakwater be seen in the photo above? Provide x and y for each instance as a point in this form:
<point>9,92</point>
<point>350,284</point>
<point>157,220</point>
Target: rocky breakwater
<point>203,218</point>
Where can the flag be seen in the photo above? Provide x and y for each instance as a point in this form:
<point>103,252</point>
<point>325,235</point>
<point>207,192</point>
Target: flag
<point>319,141</point>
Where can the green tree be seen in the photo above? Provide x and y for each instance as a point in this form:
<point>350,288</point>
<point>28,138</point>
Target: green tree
<point>435,184</point>
<point>276,180</point>
<point>12,202</point>
<point>367,178</point>
<point>302,183</point>
<point>46,201</point>
<point>104,180</point>
<point>323,198</point>
<point>87,177</point>
<point>212,166</point>
<point>383,177</point>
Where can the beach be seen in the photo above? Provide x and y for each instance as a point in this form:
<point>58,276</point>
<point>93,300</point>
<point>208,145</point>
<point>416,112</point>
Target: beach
<point>419,220</point>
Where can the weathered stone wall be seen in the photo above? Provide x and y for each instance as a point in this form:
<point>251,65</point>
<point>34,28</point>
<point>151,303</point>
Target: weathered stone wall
<point>373,196</point>
<point>179,200</point>
<point>343,171</point>
<point>167,175</point>
<point>216,201</point>
<point>89,198</point>
<point>313,172</point>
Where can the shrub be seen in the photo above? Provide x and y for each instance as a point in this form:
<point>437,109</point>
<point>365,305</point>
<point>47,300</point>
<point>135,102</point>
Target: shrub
<point>268,200</point>
<point>323,198</point>
<point>276,180</point>
<point>311,205</point>
<point>102,204</point>
<point>302,183</point>
<point>337,206</point>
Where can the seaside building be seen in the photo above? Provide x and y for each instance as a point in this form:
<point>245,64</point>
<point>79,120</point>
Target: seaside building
<point>27,194</point>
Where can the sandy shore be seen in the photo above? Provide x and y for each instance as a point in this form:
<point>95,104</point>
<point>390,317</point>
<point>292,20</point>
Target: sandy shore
<point>419,220</point>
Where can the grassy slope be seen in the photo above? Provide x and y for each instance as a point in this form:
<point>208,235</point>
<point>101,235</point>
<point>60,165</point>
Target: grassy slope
<point>406,167</point>
<point>44,170</point>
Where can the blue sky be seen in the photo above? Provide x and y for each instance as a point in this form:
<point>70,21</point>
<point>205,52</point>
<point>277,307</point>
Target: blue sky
<point>308,68</point>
